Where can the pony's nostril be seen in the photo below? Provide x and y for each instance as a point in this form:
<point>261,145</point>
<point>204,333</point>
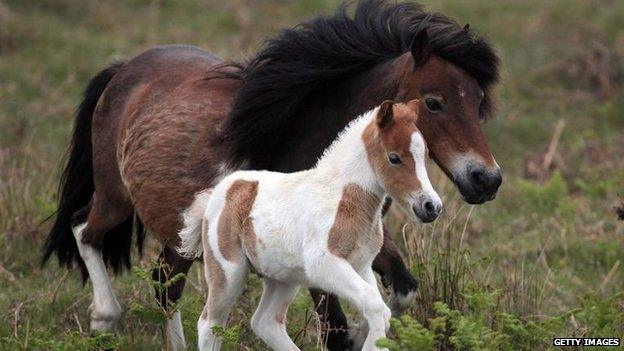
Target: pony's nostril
<point>478,177</point>
<point>484,180</point>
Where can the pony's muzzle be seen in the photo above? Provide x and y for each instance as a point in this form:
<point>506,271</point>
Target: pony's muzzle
<point>485,181</point>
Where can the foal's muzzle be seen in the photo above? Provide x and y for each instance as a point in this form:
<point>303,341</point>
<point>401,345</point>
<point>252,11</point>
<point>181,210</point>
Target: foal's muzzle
<point>427,209</point>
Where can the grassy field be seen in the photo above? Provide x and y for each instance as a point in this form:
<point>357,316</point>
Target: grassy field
<point>545,259</point>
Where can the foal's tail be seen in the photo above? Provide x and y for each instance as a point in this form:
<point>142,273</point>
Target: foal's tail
<point>76,185</point>
<point>191,234</point>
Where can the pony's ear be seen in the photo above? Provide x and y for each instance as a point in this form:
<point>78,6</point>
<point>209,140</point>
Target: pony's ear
<point>385,114</point>
<point>420,47</point>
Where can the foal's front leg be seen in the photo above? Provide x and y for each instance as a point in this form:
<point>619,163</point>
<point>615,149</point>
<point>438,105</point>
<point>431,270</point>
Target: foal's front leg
<point>360,331</point>
<point>334,274</point>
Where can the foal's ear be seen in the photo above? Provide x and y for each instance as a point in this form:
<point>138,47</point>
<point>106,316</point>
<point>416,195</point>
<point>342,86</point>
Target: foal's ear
<point>385,114</point>
<point>420,47</point>
<point>414,105</point>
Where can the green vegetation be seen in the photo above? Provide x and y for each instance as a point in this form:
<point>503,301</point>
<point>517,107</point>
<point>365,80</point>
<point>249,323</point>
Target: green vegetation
<point>544,259</point>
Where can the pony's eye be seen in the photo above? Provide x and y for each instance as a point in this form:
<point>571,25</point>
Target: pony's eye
<point>394,158</point>
<point>433,105</point>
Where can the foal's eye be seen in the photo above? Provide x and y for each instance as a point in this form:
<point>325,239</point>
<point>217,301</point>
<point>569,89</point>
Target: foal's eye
<point>394,158</point>
<point>433,105</point>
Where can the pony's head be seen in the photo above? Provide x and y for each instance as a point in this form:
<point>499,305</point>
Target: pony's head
<point>453,105</point>
<point>396,152</point>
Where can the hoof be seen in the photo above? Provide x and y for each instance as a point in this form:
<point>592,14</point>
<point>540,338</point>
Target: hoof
<point>399,302</point>
<point>102,325</point>
<point>104,320</point>
<point>357,335</point>
<point>403,292</point>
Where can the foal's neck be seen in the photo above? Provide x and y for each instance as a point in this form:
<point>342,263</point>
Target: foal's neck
<point>345,161</point>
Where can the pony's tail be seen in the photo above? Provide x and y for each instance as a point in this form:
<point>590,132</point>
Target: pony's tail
<point>191,234</point>
<point>76,184</point>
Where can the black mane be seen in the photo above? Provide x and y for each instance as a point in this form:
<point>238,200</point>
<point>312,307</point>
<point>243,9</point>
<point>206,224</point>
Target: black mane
<point>326,49</point>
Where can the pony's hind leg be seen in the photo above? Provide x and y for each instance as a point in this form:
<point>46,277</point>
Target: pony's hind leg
<point>176,265</point>
<point>89,227</point>
<point>269,320</point>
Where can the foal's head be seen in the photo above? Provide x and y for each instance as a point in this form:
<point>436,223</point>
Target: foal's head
<point>396,151</point>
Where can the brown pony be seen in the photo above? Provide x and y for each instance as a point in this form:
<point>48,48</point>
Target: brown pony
<point>153,131</point>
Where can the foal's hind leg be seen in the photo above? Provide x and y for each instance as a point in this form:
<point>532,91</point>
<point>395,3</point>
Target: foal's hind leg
<point>177,264</point>
<point>89,226</point>
<point>225,284</point>
<point>269,320</point>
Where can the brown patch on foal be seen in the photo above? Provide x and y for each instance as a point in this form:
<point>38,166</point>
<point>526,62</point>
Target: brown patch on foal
<point>235,227</point>
<point>357,212</point>
<point>392,132</point>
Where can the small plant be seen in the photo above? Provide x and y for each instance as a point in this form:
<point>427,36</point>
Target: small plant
<point>549,198</point>
<point>459,306</point>
<point>70,341</point>
<point>230,336</point>
<point>411,335</point>
<point>451,329</point>
<point>600,316</point>
<point>161,284</point>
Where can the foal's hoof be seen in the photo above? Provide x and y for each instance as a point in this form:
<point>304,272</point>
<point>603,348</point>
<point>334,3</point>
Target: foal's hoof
<point>339,342</point>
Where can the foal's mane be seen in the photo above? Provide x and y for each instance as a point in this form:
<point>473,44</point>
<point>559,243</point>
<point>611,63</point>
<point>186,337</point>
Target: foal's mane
<point>328,49</point>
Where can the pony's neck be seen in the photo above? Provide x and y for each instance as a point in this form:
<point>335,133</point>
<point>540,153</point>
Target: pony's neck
<point>345,161</point>
<point>319,123</point>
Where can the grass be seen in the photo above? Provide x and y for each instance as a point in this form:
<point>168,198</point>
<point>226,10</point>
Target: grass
<point>546,258</point>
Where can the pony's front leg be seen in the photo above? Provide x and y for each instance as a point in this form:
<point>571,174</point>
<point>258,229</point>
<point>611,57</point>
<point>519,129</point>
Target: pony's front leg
<point>390,266</point>
<point>336,275</point>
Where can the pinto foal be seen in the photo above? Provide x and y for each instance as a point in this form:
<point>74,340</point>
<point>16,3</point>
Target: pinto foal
<point>320,227</point>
